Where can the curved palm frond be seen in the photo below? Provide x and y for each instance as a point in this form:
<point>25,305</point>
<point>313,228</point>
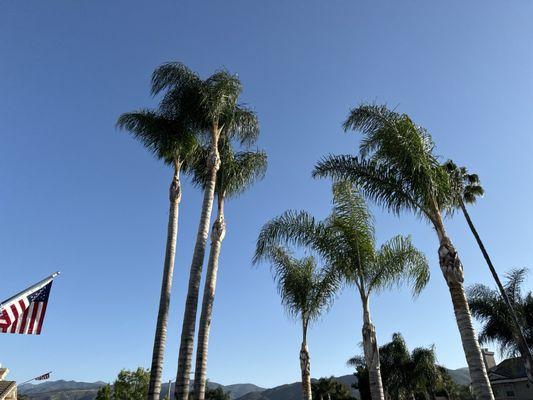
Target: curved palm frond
<point>220,94</point>
<point>488,307</point>
<point>515,278</point>
<point>376,181</point>
<point>356,361</point>
<point>173,75</point>
<point>168,139</point>
<point>399,261</point>
<point>349,206</point>
<point>237,171</point>
<point>242,124</point>
<point>297,228</point>
<point>398,168</point>
<point>304,290</point>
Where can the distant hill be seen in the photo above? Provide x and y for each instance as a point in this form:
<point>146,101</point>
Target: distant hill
<point>236,390</point>
<point>293,391</point>
<point>461,376</point>
<point>71,390</point>
<point>61,390</point>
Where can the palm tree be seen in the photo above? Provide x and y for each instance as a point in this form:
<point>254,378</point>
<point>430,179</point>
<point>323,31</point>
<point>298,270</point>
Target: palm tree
<point>237,172</point>
<point>346,241</point>
<point>405,373</point>
<point>467,188</point>
<point>305,292</point>
<point>215,110</point>
<point>170,138</point>
<point>398,169</point>
<point>489,308</point>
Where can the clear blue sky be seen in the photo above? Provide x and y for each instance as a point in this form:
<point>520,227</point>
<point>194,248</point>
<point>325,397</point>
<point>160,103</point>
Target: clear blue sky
<point>79,196</point>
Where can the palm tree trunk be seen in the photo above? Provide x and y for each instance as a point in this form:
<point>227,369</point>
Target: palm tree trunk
<point>217,236</point>
<point>371,351</point>
<point>181,391</point>
<point>305,365</point>
<point>158,353</point>
<point>452,269</point>
<point>518,333</point>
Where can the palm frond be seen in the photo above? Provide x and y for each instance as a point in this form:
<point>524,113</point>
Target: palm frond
<point>376,181</point>
<point>242,124</point>
<point>399,261</point>
<point>398,168</point>
<point>167,138</point>
<point>304,289</point>
<point>173,75</point>
<point>487,306</point>
<point>297,228</point>
<point>466,187</point>
<point>515,278</point>
<point>237,172</point>
<point>220,93</point>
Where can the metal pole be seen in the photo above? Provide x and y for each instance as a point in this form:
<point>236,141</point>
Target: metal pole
<point>169,383</point>
<point>34,287</point>
<point>34,378</point>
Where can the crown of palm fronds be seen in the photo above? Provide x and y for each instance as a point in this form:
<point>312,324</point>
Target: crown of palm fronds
<point>305,289</point>
<point>166,136</point>
<point>210,102</point>
<point>466,187</point>
<point>345,242</point>
<point>397,167</point>
<point>488,307</point>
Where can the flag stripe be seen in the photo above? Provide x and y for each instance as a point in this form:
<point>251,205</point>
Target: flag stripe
<point>41,319</point>
<point>24,320</point>
<point>24,313</point>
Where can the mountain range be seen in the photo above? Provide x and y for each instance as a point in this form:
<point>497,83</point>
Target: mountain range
<point>72,390</point>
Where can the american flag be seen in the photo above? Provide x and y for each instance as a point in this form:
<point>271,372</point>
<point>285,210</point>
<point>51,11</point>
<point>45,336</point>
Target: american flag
<point>24,312</point>
<point>43,377</point>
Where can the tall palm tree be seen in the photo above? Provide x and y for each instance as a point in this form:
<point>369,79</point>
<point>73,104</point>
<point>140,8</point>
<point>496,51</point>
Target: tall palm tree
<point>216,112</point>
<point>237,172</point>
<point>467,188</point>
<point>489,308</point>
<point>170,139</point>
<point>398,169</point>
<point>305,292</point>
<point>345,240</point>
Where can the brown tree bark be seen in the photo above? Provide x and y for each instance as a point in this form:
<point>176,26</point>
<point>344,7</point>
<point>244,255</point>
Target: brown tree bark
<point>305,366</point>
<point>156,370</point>
<point>452,269</point>
<point>217,236</point>
<point>181,391</point>
<point>371,351</point>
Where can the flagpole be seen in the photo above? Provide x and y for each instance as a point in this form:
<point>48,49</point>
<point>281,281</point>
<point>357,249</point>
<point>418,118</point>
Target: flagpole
<point>34,287</point>
<point>35,377</point>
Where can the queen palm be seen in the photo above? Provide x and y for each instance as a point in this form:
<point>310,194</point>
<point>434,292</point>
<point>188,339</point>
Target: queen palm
<point>305,291</point>
<point>345,240</point>
<point>467,188</point>
<point>492,311</point>
<point>214,108</point>
<point>237,172</point>
<point>398,169</point>
<point>170,139</point>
